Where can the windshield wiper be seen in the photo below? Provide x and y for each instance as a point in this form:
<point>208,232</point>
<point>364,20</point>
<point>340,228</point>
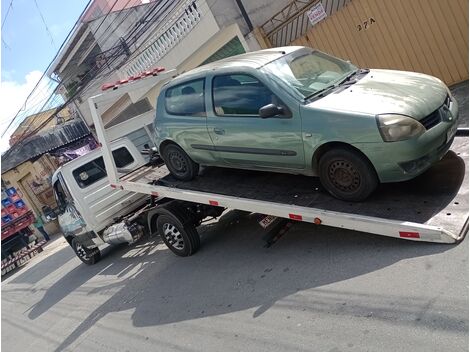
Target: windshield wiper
<point>352,74</point>
<point>345,79</point>
<point>320,92</point>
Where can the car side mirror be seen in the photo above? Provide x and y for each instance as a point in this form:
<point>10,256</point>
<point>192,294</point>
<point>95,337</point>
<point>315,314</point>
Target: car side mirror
<point>270,110</point>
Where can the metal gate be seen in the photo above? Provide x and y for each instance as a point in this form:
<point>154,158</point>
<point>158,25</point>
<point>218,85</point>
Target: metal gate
<point>429,36</point>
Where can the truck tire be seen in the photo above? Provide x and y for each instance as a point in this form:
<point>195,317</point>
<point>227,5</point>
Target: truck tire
<point>179,163</point>
<point>347,175</point>
<point>177,231</point>
<point>86,255</point>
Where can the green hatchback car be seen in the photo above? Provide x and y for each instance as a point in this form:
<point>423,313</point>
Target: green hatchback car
<point>300,111</point>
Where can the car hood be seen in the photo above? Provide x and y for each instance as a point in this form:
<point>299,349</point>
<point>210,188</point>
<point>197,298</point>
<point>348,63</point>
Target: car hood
<point>387,91</point>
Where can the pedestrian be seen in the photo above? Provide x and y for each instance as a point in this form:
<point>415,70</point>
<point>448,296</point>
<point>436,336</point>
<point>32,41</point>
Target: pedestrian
<point>40,226</point>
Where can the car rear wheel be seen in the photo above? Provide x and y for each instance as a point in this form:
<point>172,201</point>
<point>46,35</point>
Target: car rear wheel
<point>179,163</point>
<point>347,175</point>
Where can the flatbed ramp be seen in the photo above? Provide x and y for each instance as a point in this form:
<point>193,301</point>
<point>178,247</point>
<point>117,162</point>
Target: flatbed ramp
<point>433,207</point>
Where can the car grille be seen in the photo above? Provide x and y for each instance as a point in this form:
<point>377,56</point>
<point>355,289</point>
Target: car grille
<point>447,101</point>
<point>432,119</point>
<point>435,117</point>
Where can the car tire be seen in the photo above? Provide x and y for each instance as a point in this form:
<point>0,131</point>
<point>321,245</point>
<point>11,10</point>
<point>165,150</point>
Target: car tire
<point>347,175</point>
<point>179,163</point>
<point>86,255</point>
<point>179,235</point>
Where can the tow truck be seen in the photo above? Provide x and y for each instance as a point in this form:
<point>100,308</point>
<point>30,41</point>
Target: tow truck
<point>430,208</point>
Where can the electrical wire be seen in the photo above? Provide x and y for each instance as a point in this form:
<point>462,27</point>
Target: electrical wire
<point>50,64</point>
<point>6,15</point>
<point>44,22</point>
<point>129,35</point>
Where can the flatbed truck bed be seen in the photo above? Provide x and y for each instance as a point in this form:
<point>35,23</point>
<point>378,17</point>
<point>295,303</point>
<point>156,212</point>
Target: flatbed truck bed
<point>432,207</point>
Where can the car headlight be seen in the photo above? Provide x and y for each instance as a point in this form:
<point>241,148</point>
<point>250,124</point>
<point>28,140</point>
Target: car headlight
<point>395,127</point>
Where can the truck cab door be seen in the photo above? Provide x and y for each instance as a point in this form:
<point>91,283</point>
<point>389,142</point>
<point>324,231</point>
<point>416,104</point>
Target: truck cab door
<point>241,136</point>
<point>70,221</point>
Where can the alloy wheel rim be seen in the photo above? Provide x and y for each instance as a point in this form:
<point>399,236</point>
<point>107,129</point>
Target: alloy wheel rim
<point>81,252</point>
<point>173,236</point>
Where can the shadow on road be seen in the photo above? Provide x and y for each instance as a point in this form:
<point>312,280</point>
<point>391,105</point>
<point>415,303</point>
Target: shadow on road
<point>233,272</point>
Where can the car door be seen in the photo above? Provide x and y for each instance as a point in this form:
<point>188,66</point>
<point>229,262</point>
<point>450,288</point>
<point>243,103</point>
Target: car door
<point>241,137</point>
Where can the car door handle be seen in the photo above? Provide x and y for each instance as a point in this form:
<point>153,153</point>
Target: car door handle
<point>219,131</point>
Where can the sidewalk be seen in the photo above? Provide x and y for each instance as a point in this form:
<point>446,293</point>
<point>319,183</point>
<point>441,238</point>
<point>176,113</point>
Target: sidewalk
<point>460,92</point>
<point>56,243</point>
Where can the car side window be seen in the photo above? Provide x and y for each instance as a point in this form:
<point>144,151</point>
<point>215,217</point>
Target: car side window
<point>186,99</point>
<point>241,95</point>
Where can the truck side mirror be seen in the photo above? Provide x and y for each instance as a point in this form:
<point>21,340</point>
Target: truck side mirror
<point>270,110</point>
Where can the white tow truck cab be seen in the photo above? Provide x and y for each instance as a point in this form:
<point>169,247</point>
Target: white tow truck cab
<point>101,203</point>
<point>87,204</point>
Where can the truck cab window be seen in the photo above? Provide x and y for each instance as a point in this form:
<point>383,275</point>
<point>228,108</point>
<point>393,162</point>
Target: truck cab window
<point>95,170</point>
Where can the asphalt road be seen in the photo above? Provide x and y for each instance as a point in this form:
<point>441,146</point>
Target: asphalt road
<point>317,289</point>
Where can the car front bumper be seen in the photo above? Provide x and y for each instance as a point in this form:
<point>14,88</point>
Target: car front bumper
<point>404,160</point>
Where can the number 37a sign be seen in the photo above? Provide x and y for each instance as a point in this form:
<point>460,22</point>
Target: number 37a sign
<point>316,13</point>
<point>365,24</point>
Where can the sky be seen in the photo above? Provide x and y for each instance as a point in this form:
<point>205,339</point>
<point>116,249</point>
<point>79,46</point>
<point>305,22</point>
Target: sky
<point>27,48</point>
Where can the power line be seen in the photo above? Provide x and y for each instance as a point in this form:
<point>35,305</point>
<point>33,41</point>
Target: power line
<point>45,24</point>
<point>141,32</point>
<point>6,15</point>
<point>43,75</point>
<point>61,46</point>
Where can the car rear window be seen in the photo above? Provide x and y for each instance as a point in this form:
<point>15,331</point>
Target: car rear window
<point>95,170</point>
<point>186,99</point>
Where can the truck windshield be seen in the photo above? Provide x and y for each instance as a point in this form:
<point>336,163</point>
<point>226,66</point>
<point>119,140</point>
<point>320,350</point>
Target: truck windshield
<point>310,72</point>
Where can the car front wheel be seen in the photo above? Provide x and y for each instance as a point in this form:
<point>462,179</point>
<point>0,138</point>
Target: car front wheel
<point>347,175</point>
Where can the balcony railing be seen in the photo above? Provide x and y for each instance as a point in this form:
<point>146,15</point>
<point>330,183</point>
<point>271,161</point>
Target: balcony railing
<point>184,18</point>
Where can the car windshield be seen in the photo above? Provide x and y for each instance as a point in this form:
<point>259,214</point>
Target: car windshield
<point>310,72</point>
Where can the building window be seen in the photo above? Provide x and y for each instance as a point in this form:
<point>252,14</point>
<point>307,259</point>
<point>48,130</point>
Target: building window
<point>233,47</point>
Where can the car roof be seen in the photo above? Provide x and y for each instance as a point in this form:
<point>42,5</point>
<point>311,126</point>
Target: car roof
<point>253,59</point>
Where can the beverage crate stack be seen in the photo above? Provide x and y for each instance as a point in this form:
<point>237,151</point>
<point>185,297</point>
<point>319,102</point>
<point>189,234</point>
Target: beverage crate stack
<point>13,206</point>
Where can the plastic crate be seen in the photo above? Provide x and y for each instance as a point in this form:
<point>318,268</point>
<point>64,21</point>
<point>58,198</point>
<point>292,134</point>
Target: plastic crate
<point>22,211</point>
<point>15,214</point>
<point>4,212</point>
<point>6,202</point>
<point>20,204</point>
<point>7,218</point>
<point>10,208</point>
<point>11,191</point>
<point>14,198</point>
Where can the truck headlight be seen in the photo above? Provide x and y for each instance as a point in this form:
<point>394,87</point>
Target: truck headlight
<point>395,127</point>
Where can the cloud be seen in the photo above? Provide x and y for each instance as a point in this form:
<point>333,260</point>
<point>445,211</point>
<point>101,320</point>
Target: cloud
<point>13,95</point>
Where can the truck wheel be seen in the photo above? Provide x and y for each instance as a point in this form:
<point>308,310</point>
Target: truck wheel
<point>179,163</point>
<point>183,240</point>
<point>88,256</point>
<point>347,175</point>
